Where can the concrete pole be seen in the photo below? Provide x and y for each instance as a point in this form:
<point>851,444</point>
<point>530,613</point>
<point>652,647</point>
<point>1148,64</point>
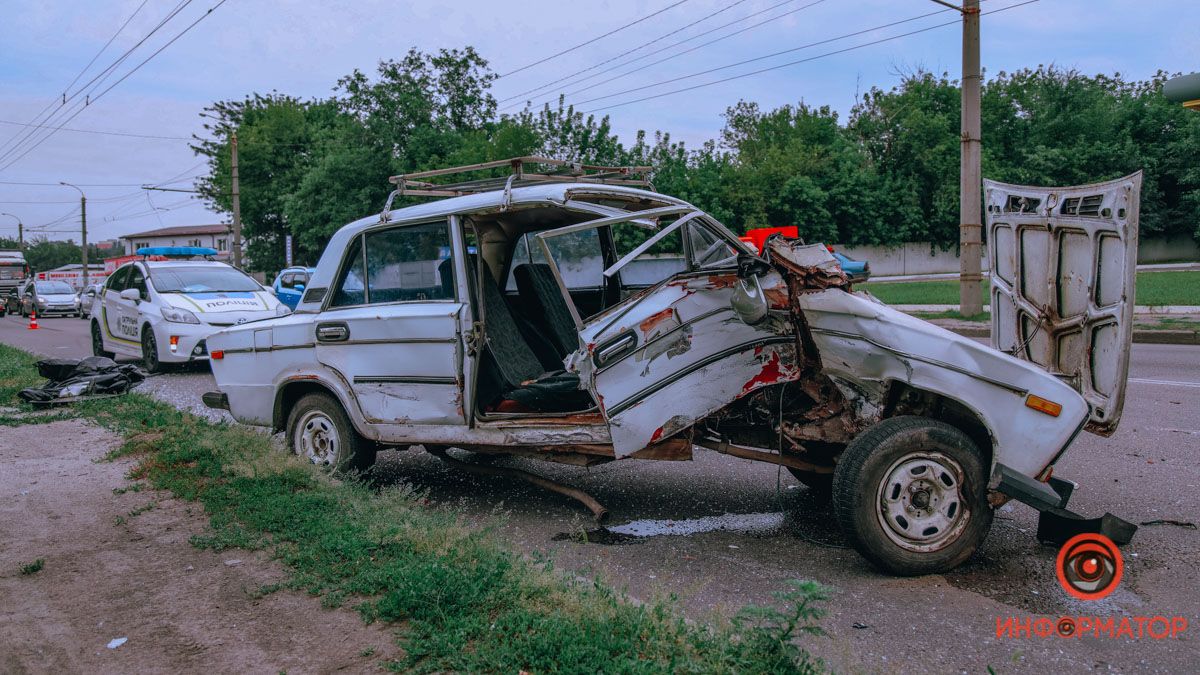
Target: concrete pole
<point>970,201</point>
<point>83,227</point>
<point>237,205</point>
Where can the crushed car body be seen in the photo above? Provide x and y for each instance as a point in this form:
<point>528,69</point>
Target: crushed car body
<point>564,314</point>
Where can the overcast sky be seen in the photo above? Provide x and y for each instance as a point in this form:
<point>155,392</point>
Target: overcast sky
<point>301,47</point>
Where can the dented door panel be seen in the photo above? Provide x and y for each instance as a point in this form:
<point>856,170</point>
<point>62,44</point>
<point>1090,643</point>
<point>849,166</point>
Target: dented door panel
<point>688,356</point>
<point>1064,264</point>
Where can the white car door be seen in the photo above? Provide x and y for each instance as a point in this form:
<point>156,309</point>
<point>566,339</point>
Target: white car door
<point>392,326</point>
<point>1064,261</point>
<point>119,336</point>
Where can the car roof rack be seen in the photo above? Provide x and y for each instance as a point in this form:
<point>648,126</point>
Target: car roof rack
<point>539,170</point>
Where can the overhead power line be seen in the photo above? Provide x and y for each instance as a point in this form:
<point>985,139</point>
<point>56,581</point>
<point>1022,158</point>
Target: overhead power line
<point>673,45</point>
<point>784,65</point>
<point>689,50</point>
<point>106,44</point>
<point>99,131</point>
<point>767,56</point>
<point>110,87</point>
<point>595,39</point>
<point>627,52</point>
<point>101,76</point>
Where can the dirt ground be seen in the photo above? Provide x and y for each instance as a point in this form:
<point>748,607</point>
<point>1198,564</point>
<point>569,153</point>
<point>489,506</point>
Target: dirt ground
<point>112,572</point>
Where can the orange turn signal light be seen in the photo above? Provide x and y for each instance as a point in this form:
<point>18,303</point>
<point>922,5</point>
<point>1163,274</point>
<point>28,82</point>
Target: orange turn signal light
<point>217,355</point>
<point>1043,405</point>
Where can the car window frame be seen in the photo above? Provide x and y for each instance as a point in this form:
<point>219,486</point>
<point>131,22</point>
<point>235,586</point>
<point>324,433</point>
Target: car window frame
<point>343,266</point>
<point>116,281</point>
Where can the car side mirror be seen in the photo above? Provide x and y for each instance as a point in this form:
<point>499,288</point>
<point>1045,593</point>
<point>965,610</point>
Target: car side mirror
<point>299,288</point>
<point>749,265</point>
<point>748,300</point>
<point>131,294</point>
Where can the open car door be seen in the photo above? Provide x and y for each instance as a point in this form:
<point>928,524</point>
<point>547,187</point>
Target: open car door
<point>1063,269</point>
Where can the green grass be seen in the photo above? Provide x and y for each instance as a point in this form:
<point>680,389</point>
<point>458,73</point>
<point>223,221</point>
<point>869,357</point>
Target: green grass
<point>1171,323</point>
<point>1153,288</point>
<point>33,567</point>
<point>458,596</point>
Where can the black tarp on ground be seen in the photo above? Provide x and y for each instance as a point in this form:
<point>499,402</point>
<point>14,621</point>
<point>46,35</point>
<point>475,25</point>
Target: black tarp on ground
<point>93,376</point>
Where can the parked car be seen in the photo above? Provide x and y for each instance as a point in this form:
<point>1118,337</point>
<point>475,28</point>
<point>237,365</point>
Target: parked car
<point>12,299</point>
<point>538,346</point>
<point>87,297</point>
<point>856,270</point>
<point>289,284</point>
<point>163,312</point>
<point>48,298</point>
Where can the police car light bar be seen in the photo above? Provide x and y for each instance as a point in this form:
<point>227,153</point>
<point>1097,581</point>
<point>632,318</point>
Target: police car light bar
<point>178,251</point>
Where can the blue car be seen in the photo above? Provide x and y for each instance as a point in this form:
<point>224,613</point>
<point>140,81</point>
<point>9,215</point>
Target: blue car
<point>856,270</point>
<point>290,283</point>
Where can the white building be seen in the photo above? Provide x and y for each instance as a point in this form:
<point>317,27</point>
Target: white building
<point>211,236</point>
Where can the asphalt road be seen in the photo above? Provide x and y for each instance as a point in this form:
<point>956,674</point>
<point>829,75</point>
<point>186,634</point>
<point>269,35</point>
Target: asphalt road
<point>1147,471</point>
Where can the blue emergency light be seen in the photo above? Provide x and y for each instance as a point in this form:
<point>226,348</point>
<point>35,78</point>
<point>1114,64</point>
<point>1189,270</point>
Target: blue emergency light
<point>178,251</point>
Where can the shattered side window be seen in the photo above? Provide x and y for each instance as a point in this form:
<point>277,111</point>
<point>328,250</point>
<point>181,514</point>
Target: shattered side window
<point>659,262</point>
<point>709,250</point>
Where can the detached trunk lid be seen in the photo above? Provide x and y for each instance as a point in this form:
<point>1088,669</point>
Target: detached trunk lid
<point>1063,262</point>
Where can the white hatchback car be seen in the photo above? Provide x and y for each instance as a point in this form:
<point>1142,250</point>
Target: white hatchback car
<point>164,311</point>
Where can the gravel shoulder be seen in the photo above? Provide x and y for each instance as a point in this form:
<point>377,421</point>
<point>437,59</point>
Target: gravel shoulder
<point>113,570</point>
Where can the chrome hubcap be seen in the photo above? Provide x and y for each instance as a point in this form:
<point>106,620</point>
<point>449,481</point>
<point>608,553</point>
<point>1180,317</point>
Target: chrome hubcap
<point>317,438</point>
<point>921,505</point>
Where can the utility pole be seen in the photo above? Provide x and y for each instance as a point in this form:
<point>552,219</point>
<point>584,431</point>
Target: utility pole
<point>20,230</point>
<point>970,230</point>
<point>237,206</point>
<point>82,227</point>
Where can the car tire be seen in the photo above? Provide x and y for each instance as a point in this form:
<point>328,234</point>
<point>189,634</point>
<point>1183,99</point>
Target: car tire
<point>319,430</point>
<point>150,360</point>
<point>98,342</point>
<point>910,494</point>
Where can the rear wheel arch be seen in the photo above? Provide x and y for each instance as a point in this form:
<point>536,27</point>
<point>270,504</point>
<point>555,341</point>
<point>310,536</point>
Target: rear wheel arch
<point>289,394</point>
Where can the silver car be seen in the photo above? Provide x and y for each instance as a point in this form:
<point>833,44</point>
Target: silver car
<point>584,323</point>
<point>48,298</point>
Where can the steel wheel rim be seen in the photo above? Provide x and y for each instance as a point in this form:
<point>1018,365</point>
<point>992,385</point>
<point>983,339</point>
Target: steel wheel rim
<point>316,437</point>
<point>920,502</point>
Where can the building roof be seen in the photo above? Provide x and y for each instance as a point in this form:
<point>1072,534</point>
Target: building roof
<point>179,231</point>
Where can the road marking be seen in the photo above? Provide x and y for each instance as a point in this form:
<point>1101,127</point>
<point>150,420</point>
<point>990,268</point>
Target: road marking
<point>1169,383</point>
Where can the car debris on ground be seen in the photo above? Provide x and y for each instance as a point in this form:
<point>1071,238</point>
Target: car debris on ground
<point>71,380</point>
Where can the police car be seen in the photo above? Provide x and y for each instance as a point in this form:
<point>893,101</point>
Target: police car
<point>164,307</point>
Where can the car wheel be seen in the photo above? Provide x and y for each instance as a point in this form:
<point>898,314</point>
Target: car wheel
<point>98,342</point>
<point>150,352</point>
<point>319,430</point>
<point>910,494</point>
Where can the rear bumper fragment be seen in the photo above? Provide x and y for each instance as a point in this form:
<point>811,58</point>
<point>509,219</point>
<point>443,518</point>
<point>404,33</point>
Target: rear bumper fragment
<point>216,400</point>
<point>1057,524</point>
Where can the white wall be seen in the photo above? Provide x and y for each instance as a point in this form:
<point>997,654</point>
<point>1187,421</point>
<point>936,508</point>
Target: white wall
<point>209,240</point>
<point>921,258</point>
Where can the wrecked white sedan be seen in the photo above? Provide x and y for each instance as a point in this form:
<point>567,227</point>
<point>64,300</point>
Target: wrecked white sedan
<point>567,316</point>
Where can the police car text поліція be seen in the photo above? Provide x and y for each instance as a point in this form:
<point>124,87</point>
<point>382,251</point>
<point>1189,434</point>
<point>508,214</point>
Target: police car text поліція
<point>164,310</point>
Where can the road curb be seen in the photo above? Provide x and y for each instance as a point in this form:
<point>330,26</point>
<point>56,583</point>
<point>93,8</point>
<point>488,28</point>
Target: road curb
<point>1155,337</point>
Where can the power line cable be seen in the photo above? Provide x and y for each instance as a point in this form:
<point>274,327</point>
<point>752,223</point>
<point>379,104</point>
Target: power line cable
<point>99,131</point>
<point>599,37</point>
<point>101,76</point>
<point>785,65</point>
<point>687,51</point>
<point>106,44</point>
<point>627,52</point>
<point>767,56</point>
<point>119,81</point>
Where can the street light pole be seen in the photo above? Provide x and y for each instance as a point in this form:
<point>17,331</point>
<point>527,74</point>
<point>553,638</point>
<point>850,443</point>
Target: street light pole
<point>83,228</point>
<point>20,230</point>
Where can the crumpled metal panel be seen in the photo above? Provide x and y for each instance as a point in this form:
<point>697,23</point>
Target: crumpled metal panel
<point>689,356</point>
<point>1064,261</point>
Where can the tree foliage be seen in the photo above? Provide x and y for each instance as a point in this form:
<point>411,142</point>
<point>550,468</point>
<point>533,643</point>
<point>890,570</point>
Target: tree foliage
<point>886,174</point>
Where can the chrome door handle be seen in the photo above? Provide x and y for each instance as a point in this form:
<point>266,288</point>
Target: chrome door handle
<point>615,347</point>
<point>333,332</point>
